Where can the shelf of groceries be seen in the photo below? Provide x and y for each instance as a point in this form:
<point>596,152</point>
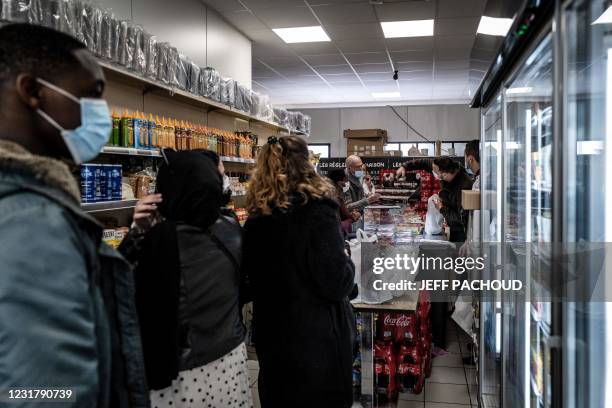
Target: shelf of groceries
<point>130,151</point>
<point>109,205</point>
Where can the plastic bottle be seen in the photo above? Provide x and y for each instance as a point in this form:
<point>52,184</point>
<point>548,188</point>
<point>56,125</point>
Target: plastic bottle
<point>151,132</point>
<point>171,135</point>
<point>144,131</point>
<point>127,129</point>
<point>136,132</point>
<point>116,132</point>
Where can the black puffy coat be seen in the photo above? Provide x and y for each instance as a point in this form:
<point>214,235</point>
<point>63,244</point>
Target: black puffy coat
<point>301,278</point>
<point>450,195</point>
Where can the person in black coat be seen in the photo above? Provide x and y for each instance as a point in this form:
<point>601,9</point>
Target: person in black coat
<point>301,278</point>
<point>453,178</point>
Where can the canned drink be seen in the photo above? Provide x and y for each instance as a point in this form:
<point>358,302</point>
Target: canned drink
<point>88,183</point>
<point>101,180</point>
<point>115,182</point>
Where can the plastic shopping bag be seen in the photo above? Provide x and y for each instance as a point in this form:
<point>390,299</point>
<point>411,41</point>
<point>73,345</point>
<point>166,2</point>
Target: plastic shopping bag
<point>463,314</point>
<point>433,220</point>
<point>355,245</point>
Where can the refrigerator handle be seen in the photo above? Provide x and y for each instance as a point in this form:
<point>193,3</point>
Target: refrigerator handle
<point>551,342</point>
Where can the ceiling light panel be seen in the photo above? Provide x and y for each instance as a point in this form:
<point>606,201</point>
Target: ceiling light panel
<point>403,29</point>
<point>494,26</point>
<point>295,35</point>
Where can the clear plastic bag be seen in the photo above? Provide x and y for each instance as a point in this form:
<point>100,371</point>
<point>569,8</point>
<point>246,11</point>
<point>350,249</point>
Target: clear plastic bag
<point>114,42</point>
<point>266,112</point>
<point>308,125</point>
<point>244,100</point>
<point>19,11</point>
<point>183,72</point>
<point>172,67</point>
<point>106,35</point>
<point>228,92</point>
<point>150,50</point>
<point>281,116</point>
<point>124,52</point>
<point>301,122</point>
<point>162,60</point>
<point>210,84</point>
<point>136,41</point>
<point>194,78</point>
<point>256,102</point>
<point>292,124</point>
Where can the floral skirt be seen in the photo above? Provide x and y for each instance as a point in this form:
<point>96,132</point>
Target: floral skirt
<point>223,383</point>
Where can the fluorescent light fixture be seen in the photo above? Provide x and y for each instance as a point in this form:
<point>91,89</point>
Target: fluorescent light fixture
<point>414,28</point>
<point>385,95</point>
<point>519,90</point>
<point>605,18</point>
<point>302,34</point>
<point>494,26</point>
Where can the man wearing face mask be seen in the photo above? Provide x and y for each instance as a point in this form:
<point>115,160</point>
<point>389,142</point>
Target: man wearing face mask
<point>66,300</point>
<point>355,198</point>
<point>453,178</point>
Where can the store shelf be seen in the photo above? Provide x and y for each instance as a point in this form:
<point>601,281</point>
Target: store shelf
<point>131,151</point>
<point>121,74</point>
<point>237,160</point>
<point>109,206</point>
<point>155,153</point>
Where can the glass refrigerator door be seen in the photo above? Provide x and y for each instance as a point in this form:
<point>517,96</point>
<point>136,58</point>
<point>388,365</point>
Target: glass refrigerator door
<point>587,162</point>
<point>490,216</point>
<point>527,219</point>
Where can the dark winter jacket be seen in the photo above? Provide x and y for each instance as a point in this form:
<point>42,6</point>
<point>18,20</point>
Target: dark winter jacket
<point>66,299</point>
<point>303,321</point>
<point>450,195</point>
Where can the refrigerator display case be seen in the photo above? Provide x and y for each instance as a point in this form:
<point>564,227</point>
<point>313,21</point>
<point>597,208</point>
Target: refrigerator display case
<point>546,140</point>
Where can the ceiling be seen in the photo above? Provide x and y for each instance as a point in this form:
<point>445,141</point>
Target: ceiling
<point>445,68</point>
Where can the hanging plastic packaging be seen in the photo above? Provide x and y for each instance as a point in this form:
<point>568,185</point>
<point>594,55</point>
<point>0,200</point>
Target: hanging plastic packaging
<point>265,111</point>
<point>281,116</point>
<point>139,59</point>
<point>301,122</point>
<point>151,51</point>
<point>162,60</point>
<point>172,67</point>
<point>210,84</point>
<point>228,92</point>
<point>307,124</point>
<point>255,103</point>
<point>293,121</point>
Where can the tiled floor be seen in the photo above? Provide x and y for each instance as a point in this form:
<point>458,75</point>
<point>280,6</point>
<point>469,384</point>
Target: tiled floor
<point>451,385</point>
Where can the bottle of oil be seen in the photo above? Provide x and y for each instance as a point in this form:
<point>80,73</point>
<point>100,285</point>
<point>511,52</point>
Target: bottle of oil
<point>115,138</point>
<point>127,129</point>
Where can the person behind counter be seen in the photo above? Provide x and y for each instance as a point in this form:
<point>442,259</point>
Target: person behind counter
<point>188,284</point>
<point>340,181</point>
<point>301,278</point>
<point>356,198</point>
<point>68,320</point>
<point>453,179</point>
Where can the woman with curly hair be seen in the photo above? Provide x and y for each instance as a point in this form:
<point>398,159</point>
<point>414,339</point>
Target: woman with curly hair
<point>301,278</point>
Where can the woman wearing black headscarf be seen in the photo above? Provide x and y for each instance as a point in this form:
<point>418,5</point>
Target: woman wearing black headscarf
<point>187,291</point>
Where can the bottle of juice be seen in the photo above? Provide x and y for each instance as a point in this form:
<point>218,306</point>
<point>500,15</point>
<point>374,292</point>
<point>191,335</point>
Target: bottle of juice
<point>171,134</point>
<point>144,131</point>
<point>116,132</point>
<point>127,130</point>
<point>151,132</point>
<point>178,135</point>
<point>136,132</point>
<point>159,132</point>
<point>165,131</point>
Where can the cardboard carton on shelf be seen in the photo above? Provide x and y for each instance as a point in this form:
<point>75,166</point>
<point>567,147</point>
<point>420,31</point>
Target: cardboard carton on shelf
<point>365,134</point>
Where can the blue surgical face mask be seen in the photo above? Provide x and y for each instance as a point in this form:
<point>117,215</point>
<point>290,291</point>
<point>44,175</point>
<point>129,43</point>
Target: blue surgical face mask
<point>359,174</point>
<point>85,142</point>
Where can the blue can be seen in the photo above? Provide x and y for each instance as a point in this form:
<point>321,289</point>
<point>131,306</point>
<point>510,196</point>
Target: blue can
<point>115,180</point>
<point>88,183</point>
<point>101,179</point>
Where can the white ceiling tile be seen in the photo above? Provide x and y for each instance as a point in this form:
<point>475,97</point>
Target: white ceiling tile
<point>325,59</point>
<point>332,79</point>
<point>422,10</point>
<point>313,48</point>
<point>244,20</point>
<point>267,4</point>
<point>285,17</point>
<point>410,44</point>
<point>224,5</point>
<point>465,42</point>
<point>414,66</point>
<point>367,58</point>
<point>333,69</point>
<point>373,68</point>
<point>409,56</point>
<point>460,8</point>
<point>283,62</point>
<point>455,26</point>
<point>340,32</point>
<point>378,77</point>
<point>345,14</point>
<point>361,45</point>
<point>453,64</point>
<point>451,54</point>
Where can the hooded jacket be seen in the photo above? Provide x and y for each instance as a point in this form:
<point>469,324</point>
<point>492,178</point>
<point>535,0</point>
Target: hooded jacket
<point>67,309</point>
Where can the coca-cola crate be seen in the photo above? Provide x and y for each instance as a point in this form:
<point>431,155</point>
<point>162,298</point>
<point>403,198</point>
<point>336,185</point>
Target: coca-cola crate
<point>401,328</point>
<point>385,369</point>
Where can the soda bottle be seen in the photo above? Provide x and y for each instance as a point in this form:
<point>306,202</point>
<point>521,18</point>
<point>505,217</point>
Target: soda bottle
<point>127,129</point>
<point>116,132</point>
<point>144,131</point>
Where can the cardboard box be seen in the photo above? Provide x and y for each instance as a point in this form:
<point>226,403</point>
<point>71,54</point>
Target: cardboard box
<point>365,133</point>
<point>364,145</point>
<point>470,199</point>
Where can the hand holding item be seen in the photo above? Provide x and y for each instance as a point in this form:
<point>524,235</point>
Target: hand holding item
<point>355,215</point>
<point>145,210</point>
<point>464,250</point>
<point>374,198</point>
<point>401,172</point>
<point>438,204</point>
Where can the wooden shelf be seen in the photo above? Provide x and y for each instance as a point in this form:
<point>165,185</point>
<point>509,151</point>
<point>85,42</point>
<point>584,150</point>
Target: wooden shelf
<point>109,206</point>
<point>120,74</point>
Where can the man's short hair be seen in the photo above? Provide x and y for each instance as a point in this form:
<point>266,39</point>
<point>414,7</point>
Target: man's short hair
<point>472,148</point>
<point>39,51</point>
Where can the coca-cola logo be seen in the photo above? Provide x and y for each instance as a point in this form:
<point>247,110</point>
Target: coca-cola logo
<point>400,321</point>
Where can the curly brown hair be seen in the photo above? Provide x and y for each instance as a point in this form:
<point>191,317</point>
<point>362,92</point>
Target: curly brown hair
<point>282,172</point>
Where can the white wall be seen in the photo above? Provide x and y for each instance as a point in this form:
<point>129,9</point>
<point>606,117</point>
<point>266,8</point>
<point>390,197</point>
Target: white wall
<point>444,122</point>
<point>196,30</point>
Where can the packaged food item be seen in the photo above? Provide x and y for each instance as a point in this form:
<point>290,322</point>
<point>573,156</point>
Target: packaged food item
<point>88,183</point>
<point>124,51</point>
<point>137,44</point>
<point>210,84</point>
<point>194,78</point>
<point>101,183</point>
<point>281,116</point>
<point>183,72</point>
<point>151,55</point>
<point>244,100</point>
<point>228,92</point>
<point>107,35</point>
